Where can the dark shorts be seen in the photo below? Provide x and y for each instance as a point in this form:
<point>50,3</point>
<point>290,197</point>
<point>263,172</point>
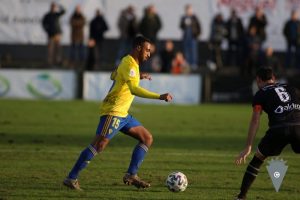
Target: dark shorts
<point>110,125</point>
<point>277,138</point>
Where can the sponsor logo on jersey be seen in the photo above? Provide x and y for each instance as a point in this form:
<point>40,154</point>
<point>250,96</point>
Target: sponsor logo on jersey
<point>289,107</point>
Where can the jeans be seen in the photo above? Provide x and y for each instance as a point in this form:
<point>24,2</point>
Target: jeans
<point>77,52</point>
<point>292,55</point>
<point>190,51</point>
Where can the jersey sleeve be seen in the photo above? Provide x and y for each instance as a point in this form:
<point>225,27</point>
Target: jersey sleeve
<point>257,103</point>
<point>141,92</point>
<point>132,78</point>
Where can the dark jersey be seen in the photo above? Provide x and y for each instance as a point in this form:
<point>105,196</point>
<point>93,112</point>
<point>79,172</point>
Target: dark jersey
<point>281,103</point>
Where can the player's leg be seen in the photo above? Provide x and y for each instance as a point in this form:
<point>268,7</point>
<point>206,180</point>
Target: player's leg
<point>270,145</point>
<point>97,145</point>
<point>137,131</point>
<point>140,150</point>
<point>107,128</point>
<point>251,173</point>
<point>83,160</point>
<point>138,155</point>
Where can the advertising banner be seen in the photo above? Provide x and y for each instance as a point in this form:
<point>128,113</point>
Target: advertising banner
<point>186,89</point>
<point>37,84</point>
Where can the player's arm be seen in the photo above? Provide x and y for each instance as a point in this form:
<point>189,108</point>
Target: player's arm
<point>135,89</point>
<point>253,127</point>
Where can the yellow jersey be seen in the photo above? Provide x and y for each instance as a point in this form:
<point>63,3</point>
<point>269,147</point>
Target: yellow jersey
<point>126,79</point>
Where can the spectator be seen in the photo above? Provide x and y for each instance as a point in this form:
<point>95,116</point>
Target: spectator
<point>235,38</point>
<point>269,60</point>
<point>191,28</point>
<point>253,52</point>
<point>259,21</point>
<point>291,33</point>
<point>166,57</point>
<point>179,64</point>
<point>77,23</point>
<point>98,27</point>
<point>52,27</point>
<point>150,24</point>
<point>217,35</point>
<point>128,27</point>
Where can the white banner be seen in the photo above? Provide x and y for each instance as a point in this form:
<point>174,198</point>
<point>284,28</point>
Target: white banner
<point>37,84</point>
<point>20,20</point>
<point>186,89</point>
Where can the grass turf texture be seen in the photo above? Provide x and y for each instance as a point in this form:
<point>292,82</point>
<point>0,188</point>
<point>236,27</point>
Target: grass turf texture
<point>40,141</point>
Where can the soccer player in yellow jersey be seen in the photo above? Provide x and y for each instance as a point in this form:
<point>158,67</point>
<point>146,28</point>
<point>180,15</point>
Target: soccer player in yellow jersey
<point>114,116</point>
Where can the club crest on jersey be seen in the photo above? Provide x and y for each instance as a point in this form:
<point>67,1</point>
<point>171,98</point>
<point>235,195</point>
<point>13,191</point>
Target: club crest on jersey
<point>132,73</point>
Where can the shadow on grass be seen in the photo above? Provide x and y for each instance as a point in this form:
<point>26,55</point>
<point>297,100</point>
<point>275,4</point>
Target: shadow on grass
<point>161,141</point>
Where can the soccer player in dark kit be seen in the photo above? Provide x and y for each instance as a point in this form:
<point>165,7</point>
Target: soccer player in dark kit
<point>282,104</point>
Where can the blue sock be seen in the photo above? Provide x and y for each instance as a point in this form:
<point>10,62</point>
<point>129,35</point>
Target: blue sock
<point>83,160</point>
<point>137,158</point>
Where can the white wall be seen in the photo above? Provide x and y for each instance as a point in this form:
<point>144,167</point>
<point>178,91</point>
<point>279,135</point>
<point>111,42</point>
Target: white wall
<point>20,19</point>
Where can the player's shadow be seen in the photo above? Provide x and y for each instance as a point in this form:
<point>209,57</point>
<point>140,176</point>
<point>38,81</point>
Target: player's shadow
<point>162,141</point>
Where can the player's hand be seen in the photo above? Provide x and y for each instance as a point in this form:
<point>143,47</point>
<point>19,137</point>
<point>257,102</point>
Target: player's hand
<point>241,159</point>
<point>144,75</point>
<point>167,97</point>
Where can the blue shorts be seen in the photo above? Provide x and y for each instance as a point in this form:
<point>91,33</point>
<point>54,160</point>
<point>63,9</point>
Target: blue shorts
<point>110,125</point>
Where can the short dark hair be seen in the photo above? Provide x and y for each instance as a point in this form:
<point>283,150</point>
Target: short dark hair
<point>139,40</point>
<point>265,73</point>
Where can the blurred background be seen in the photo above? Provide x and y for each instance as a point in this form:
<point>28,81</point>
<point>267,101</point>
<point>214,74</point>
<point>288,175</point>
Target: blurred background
<point>203,51</point>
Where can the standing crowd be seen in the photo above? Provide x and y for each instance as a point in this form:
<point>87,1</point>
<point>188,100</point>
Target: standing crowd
<point>245,44</point>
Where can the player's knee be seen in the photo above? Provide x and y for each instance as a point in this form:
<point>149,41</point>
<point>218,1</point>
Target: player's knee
<point>147,139</point>
<point>100,147</point>
<point>260,156</point>
<point>100,144</point>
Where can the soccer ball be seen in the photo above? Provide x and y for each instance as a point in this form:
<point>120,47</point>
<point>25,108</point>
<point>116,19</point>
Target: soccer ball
<point>176,182</point>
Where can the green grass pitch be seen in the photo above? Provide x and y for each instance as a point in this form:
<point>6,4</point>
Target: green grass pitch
<point>40,141</point>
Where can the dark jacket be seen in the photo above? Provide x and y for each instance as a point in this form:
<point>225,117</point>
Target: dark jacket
<point>291,31</point>
<point>239,29</point>
<point>97,28</point>
<point>260,26</point>
<point>166,58</point>
<point>51,23</point>
<point>77,22</point>
<point>194,25</point>
<point>127,25</point>
<point>149,26</point>
<point>218,31</point>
